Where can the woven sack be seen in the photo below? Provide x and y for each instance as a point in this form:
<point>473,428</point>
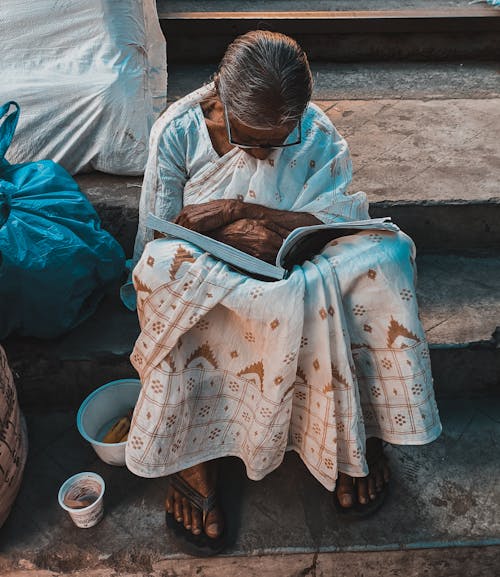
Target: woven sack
<point>13,440</point>
<point>91,76</point>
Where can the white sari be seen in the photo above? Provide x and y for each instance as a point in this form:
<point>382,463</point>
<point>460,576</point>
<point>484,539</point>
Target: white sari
<point>231,365</point>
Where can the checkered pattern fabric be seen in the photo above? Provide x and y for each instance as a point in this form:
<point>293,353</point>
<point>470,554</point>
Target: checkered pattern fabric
<point>315,363</point>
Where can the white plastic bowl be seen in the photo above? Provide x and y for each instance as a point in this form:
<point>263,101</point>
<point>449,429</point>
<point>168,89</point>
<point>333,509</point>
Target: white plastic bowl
<point>100,410</point>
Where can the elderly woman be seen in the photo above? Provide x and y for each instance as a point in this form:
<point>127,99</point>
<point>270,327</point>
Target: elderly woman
<point>328,362</point>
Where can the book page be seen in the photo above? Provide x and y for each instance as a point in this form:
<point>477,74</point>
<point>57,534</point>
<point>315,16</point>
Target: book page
<point>306,241</point>
<point>233,256</point>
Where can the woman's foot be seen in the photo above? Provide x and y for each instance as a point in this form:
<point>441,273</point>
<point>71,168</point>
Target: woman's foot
<point>203,479</point>
<point>358,491</point>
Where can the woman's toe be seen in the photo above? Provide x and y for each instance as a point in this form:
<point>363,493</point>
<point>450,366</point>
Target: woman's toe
<point>345,490</point>
<point>372,489</point>
<point>213,523</point>
<point>186,513</point>
<point>346,499</point>
<point>379,479</point>
<point>197,521</point>
<point>386,471</point>
<point>362,486</point>
<point>178,508</point>
<point>169,500</point>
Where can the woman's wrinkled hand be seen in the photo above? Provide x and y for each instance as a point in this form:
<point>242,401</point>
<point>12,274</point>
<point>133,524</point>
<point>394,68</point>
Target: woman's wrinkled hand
<point>259,238</point>
<point>208,215</point>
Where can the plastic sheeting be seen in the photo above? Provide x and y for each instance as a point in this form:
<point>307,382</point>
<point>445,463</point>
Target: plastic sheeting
<point>56,262</point>
<point>492,2</point>
<point>90,76</point>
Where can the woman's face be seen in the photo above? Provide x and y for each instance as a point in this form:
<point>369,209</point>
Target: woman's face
<point>241,133</point>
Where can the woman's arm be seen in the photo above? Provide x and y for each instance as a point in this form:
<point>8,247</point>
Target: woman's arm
<point>252,228</point>
<point>215,214</point>
<point>260,238</point>
<point>164,181</point>
<point>286,219</point>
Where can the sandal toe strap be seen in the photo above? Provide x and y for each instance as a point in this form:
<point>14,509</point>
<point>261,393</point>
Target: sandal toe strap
<point>204,504</point>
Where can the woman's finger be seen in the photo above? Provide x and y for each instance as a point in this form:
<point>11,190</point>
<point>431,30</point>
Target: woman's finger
<point>202,217</point>
<point>278,229</point>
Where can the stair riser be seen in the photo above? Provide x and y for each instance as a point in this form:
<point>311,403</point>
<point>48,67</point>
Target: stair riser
<point>446,226</point>
<point>338,41</point>
<point>45,382</point>
<point>451,561</point>
<point>433,227</point>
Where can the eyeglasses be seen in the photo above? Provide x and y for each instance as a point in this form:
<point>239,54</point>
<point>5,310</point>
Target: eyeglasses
<point>266,146</point>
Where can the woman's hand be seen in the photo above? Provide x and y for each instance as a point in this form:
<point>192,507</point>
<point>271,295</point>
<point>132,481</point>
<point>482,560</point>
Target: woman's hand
<point>209,215</point>
<point>284,218</point>
<point>216,214</point>
<point>259,238</point>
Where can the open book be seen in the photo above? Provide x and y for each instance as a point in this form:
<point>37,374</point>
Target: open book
<point>301,244</point>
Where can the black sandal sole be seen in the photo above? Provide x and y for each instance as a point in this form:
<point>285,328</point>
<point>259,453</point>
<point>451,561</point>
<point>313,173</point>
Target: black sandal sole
<point>358,512</point>
<point>195,545</point>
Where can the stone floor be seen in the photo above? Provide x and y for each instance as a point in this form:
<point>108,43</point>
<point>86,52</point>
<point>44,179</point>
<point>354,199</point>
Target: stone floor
<point>443,495</point>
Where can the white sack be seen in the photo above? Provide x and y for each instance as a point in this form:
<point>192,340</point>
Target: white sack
<point>90,77</point>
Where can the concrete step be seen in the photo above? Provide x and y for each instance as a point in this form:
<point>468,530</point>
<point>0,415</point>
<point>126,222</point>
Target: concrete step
<point>446,562</point>
<point>459,306</point>
<point>306,5</point>
<point>430,163</point>
<point>371,80</point>
<point>441,517</point>
<point>336,31</point>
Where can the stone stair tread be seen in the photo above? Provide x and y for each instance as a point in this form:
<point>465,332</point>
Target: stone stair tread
<point>416,148</point>
<point>402,149</point>
<point>372,80</point>
<point>458,296</point>
<point>442,496</point>
<point>113,189</point>
<point>360,6</point>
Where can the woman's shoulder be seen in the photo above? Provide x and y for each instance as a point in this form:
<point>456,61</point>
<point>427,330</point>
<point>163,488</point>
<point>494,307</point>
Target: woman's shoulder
<point>317,127</point>
<point>179,122</point>
<point>317,122</point>
<point>183,116</point>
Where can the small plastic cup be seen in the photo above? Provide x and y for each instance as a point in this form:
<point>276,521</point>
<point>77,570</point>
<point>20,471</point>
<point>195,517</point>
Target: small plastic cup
<point>80,489</point>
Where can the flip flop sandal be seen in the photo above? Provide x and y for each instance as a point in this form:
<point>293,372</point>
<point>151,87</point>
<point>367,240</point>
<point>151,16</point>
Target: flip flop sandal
<point>359,511</point>
<point>196,545</point>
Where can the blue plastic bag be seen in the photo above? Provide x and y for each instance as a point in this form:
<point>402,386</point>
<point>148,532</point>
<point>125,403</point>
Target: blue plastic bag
<point>55,260</point>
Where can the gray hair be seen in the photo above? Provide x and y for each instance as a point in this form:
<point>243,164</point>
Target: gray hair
<point>264,79</point>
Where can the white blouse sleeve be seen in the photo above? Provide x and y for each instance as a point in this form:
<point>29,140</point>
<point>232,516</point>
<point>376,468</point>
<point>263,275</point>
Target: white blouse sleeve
<point>164,180</point>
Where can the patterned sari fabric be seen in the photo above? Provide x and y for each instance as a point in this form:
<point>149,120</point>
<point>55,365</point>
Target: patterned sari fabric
<point>315,363</point>
<point>13,440</point>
